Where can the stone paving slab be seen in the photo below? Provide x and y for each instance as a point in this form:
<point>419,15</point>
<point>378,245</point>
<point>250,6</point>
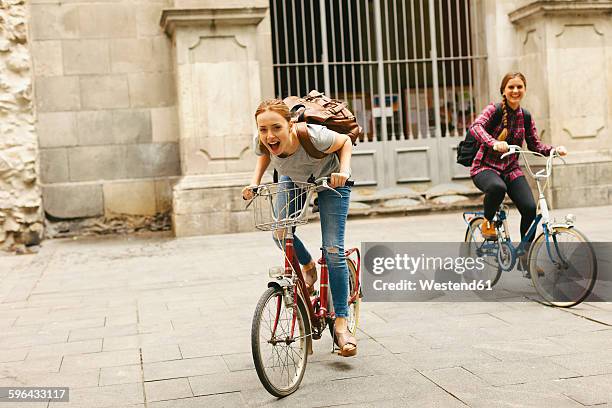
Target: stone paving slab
<point>184,368</point>
<point>164,390</point>
<point>120,375</point>
<point>102,397</point>
<point>229,400</point>
<point>89,378</point>
<point>585,391</point>
<point>471,390</point>
<point>151,321</point>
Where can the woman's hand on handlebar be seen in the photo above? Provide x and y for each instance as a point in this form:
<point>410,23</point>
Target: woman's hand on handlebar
<point>338,179</point>
<point>249,192</point>
<point>561,150</point>
<point>501,147</point>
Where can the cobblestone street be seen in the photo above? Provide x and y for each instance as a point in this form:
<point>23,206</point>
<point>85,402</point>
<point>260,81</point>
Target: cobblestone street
<point>152,321</point>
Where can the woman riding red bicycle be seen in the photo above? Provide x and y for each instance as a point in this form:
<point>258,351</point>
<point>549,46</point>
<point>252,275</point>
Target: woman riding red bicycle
<point>278,144</point>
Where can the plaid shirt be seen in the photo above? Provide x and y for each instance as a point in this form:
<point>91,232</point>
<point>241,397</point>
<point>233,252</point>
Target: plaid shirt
<point>488,159</point>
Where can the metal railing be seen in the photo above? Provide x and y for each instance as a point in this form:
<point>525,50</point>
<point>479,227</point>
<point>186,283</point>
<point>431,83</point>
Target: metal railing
<point>409,69</point>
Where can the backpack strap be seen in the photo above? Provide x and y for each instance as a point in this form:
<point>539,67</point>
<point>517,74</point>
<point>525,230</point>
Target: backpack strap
<point>301,130</point>
<point>496,118</point>
<point>527,122</point>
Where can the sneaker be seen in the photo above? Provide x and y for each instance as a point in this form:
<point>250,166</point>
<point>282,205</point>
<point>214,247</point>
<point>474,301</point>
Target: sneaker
<point>487,229</point>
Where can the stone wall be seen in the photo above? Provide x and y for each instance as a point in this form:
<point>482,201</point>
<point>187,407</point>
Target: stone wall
<point>20,202</point>
<point>106,102</point>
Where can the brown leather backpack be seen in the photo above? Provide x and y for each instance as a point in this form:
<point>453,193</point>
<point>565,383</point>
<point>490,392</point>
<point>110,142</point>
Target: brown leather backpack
<point>319,109</point>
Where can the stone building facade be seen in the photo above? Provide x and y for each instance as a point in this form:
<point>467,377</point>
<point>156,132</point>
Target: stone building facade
<point>106,107</point>
<point>145,106</point>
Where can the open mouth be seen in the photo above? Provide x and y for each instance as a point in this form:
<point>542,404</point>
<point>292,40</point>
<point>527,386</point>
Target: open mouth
<point>274,147</point>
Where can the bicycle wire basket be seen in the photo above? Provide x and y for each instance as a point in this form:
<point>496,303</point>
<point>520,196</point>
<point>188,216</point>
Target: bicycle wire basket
<point>281,205</point>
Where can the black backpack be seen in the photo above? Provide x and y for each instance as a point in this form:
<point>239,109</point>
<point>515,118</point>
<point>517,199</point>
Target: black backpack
<point>468,147</point>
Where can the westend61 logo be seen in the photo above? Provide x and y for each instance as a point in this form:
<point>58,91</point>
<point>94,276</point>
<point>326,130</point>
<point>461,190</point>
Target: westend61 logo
<point>412,271</point>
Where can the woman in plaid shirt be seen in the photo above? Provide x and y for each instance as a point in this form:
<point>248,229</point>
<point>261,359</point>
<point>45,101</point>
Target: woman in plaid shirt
<point>495,176</point>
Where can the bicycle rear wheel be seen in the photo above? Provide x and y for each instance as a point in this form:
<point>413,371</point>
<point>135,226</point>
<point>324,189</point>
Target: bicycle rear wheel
<point>355,295</point>
<point>279,353</point>
<point>565,271</point>
<point>477,247</point>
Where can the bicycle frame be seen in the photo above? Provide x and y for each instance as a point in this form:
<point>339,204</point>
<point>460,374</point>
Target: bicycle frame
<point>290,281</point>
<point>323,298</point>
<point>542,217</point>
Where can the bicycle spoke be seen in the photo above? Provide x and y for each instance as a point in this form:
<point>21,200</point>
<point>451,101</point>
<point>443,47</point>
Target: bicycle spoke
<point>280,359</point>
<point>563,269</point>
<point>477,246</point>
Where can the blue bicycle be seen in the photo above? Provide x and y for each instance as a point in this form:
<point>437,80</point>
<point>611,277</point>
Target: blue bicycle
<point>560,261</point>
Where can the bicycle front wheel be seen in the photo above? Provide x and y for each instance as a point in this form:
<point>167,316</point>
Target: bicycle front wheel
<point>478,247</point>
<point>564,269</point>
<point>280,340</point>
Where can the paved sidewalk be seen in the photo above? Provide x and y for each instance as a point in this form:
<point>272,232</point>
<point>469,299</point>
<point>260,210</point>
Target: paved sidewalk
<point>151,321</point>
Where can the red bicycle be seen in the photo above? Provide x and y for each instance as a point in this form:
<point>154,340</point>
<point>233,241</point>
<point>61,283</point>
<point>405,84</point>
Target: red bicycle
<point>287,318</point>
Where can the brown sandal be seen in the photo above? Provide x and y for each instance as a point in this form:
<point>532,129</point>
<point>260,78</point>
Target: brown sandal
<point>310,277</point>
<point>344,339</point>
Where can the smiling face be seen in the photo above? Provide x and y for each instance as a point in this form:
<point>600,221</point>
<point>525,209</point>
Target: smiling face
<point>514,91</point>
<point>274,132</point>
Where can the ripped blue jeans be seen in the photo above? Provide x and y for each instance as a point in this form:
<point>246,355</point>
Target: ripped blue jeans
<point>333,211</point>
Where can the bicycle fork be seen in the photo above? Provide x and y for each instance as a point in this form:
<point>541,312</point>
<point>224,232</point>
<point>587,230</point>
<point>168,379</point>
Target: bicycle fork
<point>549,232</point>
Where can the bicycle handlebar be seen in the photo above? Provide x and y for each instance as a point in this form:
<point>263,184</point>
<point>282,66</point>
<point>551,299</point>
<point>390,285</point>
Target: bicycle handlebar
<point>513,149</point>
<point>320,182</point>
<point>316,184</point>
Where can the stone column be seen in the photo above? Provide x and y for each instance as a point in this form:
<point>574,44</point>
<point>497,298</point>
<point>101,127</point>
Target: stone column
<point>217,55</point>
<point>21,216</point>
<point>565,50</point>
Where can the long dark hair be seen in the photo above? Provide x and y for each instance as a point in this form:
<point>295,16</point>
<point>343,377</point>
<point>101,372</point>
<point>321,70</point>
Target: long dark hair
<point>504,82</point>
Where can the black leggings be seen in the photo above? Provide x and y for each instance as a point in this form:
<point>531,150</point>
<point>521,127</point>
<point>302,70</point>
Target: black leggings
<point>495,188</point>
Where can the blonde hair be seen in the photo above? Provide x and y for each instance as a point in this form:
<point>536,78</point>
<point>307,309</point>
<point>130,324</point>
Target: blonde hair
<point>274,105</point>
<point>504,105</point>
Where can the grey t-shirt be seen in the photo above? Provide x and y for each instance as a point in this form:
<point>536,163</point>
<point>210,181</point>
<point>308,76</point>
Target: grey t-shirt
<point>300,166</point>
